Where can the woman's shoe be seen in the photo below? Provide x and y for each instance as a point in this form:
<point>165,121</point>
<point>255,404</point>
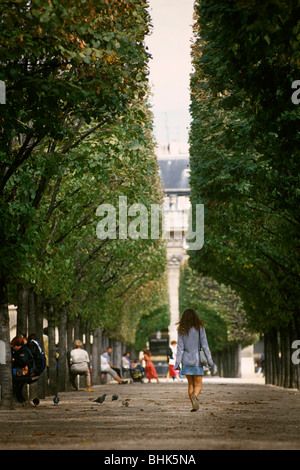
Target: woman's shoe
<point>195,403</point>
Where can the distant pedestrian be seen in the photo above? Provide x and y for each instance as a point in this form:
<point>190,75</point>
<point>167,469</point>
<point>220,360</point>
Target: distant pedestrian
<point>171,361</point>
<point>190,327</point>
<point>150,370</point>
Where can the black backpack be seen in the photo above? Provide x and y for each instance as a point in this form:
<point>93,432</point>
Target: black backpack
<point>38,355</point>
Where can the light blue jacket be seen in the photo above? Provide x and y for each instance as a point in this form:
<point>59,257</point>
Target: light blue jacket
<point>188,348</point>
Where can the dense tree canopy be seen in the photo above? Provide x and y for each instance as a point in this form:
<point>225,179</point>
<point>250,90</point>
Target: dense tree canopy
<point>245,153</point>
<point>75,133</point>
<point>65,67</point>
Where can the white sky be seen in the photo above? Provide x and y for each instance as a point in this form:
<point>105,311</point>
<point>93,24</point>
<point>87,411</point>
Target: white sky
<point>169,44</point>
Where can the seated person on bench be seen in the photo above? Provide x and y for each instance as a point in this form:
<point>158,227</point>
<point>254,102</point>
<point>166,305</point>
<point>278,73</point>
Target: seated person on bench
<point>106,367</point>
<point>80,365</point>
<point>23,366</point>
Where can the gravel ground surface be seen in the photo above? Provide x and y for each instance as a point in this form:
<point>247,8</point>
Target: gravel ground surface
<point>233,415</point>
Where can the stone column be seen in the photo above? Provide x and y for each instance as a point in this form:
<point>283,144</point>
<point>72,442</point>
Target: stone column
<point>176,255</point>
<point>173,288</point>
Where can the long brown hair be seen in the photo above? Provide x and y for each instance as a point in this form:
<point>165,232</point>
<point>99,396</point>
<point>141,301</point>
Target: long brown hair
<point>189,319</point>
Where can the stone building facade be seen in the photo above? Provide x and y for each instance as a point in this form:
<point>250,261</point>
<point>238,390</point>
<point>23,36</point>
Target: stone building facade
<point>174,170</point>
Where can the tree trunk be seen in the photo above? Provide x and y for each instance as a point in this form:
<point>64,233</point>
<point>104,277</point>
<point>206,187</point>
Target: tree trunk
<point>285,357</point>
<point>219,364</point>
<point>268,362</point>
<point>97,337</point>
<point>6,393</point>
<point>22,312</point>
<point>63,372</point>
<point>104,342</point>
<point>238,367</point>
<point>117,356</point>
<point>70,335</point>
<point>52,348</point>
<point>88,344</point>
<point>78,333</point>
<point>275,366</point>
<point>39,316</point>
<point>31,312</point>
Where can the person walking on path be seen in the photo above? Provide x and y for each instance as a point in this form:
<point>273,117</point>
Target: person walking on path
<point>80,364</point>
<point>190,327</point>
<point>171,353</point>
<point>150,370</point>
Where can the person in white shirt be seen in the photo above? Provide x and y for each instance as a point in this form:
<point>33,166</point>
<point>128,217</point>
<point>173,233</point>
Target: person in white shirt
<point>106,366</point>
<point>171,362</point>
<point>126,361</point>
<point>80,364</point>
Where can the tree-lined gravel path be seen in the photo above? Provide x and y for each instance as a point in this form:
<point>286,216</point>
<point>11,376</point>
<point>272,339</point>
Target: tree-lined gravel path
<point>233,415</point>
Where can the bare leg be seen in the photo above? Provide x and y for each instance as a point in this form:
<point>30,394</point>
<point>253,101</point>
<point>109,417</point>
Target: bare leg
<point>190,379</point>
<point>194,389</point>
<point>197,385</point>
<point>88,380</point>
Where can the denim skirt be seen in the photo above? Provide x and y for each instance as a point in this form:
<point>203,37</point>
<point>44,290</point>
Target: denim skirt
<point>192,370</point>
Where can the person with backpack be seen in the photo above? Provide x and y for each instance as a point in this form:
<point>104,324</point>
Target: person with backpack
<point>28,363</point>
<point>23,366</point>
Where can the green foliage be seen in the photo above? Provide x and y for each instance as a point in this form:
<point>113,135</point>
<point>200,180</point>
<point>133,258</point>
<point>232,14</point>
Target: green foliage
<point>219,307</point>
<point>64,66</point>
<point>245,153</point>
<point>155,319</point>
<point>77,132</point>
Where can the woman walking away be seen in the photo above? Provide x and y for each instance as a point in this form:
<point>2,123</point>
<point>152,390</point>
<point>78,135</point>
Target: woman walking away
<point>190,328</point>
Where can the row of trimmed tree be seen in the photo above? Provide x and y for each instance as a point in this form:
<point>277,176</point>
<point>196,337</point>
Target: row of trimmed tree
<point>244,158</point>
<point>75,137</point>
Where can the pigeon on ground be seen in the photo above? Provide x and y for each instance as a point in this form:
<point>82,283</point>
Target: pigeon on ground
<point>100,399</point>
<point>114,397</point>
<point>56,400</point>
<point>36,401</point>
